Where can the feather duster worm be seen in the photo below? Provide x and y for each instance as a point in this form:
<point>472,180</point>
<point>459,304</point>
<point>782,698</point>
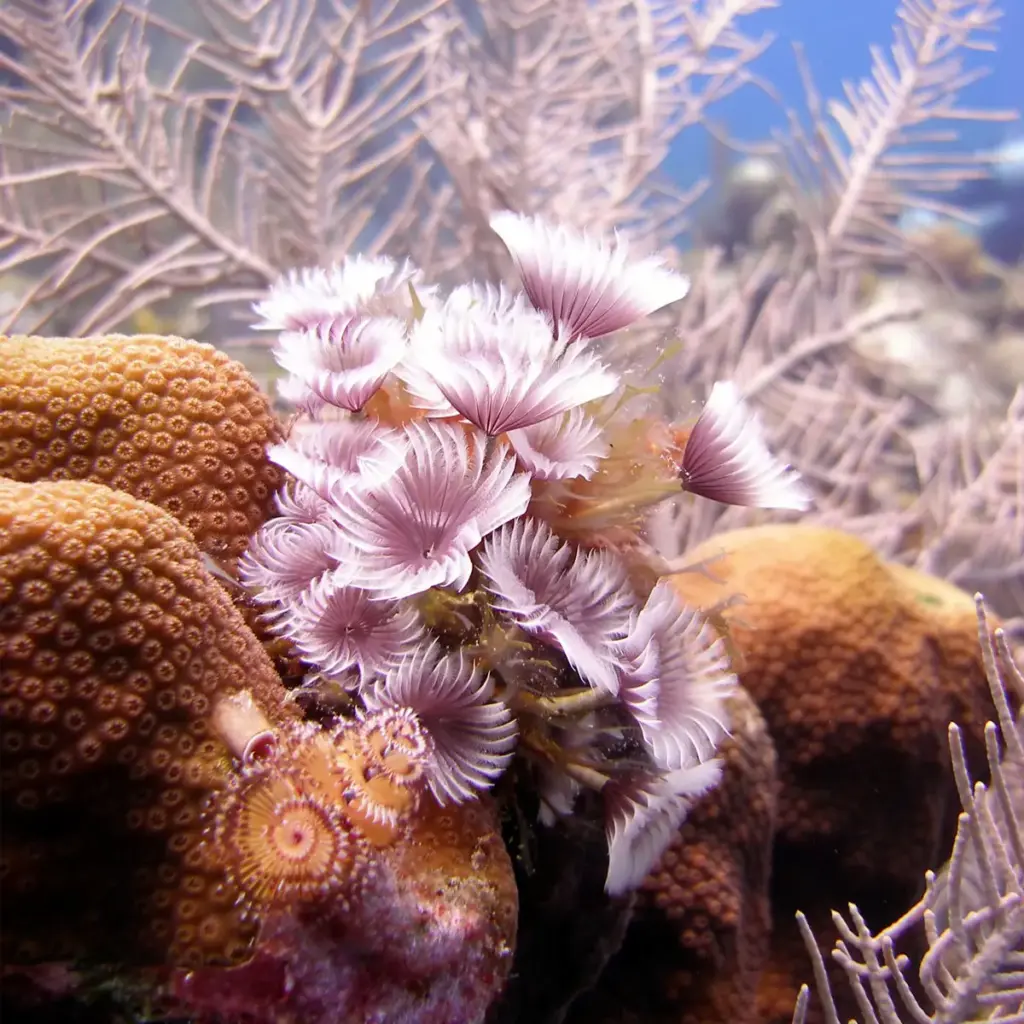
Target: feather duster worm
<point>461,566</point>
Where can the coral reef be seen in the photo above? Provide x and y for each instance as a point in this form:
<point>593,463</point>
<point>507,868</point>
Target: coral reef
<point>460,565</point>
<point>170,421</point>
<point>163,164</point>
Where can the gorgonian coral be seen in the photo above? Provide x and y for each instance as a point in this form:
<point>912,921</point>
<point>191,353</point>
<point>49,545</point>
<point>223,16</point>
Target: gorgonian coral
<point>455,563</point>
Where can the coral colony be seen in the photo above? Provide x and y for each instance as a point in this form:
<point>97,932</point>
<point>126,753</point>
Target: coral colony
<point>455,555</point>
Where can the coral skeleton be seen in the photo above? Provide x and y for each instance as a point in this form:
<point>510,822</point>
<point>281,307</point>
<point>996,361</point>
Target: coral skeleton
<point>445,556</point>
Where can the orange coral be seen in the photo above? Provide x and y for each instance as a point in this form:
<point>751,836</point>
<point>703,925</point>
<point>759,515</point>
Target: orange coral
<point>379,773</point>
<point>170,421</point>
<point>116,645</point>
<point>956,255</point>
<point>841,650</point>
<point>456,863</point>
<point>713,881</point>
<point>429,938</point>
<point>307,816</point>
<point>163,803</point>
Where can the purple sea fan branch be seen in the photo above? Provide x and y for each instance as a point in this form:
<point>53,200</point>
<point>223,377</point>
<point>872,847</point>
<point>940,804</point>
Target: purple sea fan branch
<point>726,458</point>
<point>643,815</point>
<point>591,287</point>
<point>560,448</point>
<point>338,627</point>
<point>285,556</point>
<point>345,360</point>
<point>578,600</point>
<point>473,736</point>
<point>501,366</point>
<point>305,298</point>
<point>676,678</point>
<point>337,456</point>
<point>416,530</point>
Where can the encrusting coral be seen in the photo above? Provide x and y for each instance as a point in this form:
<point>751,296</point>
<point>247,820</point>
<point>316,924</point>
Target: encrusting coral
<point>429,942</point>
<point>375,902</point>
<point>171,421</point>
<point>858,667</point>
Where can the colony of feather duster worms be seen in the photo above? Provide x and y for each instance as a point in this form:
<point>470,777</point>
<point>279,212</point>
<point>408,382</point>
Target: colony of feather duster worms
<point>453,557</point>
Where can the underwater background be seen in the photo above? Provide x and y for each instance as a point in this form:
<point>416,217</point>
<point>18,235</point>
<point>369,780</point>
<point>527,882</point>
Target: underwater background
<point>837,40</point>
<point>511,511</point>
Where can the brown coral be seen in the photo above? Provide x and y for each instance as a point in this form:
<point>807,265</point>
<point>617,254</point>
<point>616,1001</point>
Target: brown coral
<point>115,646</point>
<point>173,422</point>
<point>699,936</point>
<point>858,668</point>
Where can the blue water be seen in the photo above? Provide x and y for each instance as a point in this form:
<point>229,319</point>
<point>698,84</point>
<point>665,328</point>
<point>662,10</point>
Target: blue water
<point>836,36</point>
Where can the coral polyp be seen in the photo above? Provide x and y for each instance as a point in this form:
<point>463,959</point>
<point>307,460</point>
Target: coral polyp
<point>377,803</point>
<point>170,421</point>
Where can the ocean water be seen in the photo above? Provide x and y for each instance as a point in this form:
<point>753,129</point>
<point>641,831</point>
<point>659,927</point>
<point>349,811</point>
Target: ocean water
<point>836,38</point>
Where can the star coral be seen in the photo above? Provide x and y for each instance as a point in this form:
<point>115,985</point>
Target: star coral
<point>838,649</point>
<point>699,935</point>
<point>858,667</point>
<point>116,645</point>
<point>164,805</point>
<point>171,421</point>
